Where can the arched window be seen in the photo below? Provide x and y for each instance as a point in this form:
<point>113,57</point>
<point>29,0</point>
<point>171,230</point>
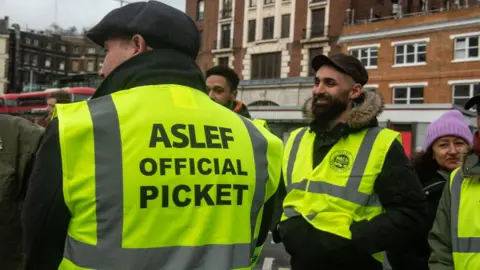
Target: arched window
<point>263,103</point>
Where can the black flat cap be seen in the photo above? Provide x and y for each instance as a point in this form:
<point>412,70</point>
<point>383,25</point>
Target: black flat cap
<point>344,63</point>
<point>162,27</point>
<point>475,100</point>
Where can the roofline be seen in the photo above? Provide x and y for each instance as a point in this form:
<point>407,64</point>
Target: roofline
<point>410,30</point>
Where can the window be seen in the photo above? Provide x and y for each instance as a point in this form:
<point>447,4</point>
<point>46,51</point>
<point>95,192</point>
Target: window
<point>252,25</point>
<point>253,3</point>
<point>90,66</point>
<point>223,61</point>
<point>268,27</point>
<point>285,26</point>
<point>76,50</point>
<point>467,48</point>
<point>91,50</point>
<point>34,60</point>
<point>63,48</point>
<point>312,52</point>
<point>75,66</point>
<point>26,59</point>
<point>408,95</point>
<point>225,41</point>
<point>318,23</point>
<point>463,92</point>
<point>266,66</point>
<point>48,46</point>
<point>27,41</point>
<point>61,65</point>
<point>35,42</point>
<point>227,9</point>
<point>266,2</point>
<point>200,10</point>
<point>413,53</point>
<point>368,56</point>
<point>48,62</point>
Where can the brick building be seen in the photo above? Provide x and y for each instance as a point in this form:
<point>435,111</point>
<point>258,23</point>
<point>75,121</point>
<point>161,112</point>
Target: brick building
<point>270,43</point>
<point>85,56</point>
<point>3,54</point>
<point>35,58</point>
<point>426,58</point>
<point>271,39</point>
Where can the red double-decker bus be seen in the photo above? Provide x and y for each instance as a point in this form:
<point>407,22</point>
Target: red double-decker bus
<point>36,102</point>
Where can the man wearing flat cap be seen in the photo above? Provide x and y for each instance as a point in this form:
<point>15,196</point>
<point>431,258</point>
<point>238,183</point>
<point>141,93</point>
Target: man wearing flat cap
<point>351,193</point>
<point>150,173</point>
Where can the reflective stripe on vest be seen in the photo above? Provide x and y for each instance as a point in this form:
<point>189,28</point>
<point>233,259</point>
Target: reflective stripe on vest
<point>460,244</point>
<point>350,191</point>
<point>109,207</point>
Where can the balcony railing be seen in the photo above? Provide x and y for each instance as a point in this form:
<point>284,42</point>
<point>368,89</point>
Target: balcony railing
<point>316,32</point>
<point>226,13</point>
<point>352,19</point>
<point>224,44</point>
<point>317,1</point>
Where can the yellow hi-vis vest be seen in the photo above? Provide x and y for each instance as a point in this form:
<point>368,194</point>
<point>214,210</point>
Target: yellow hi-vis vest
<point>261,123</point>
<point>340,190</point>
<point>155,179</point>
<point>465,221</point>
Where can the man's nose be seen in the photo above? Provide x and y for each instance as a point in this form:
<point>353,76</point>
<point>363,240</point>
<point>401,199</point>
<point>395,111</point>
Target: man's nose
<point>101,74</point>
<point>318,89</point>
<point>211,94</point>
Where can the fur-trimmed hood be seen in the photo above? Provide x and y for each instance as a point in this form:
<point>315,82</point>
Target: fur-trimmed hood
<point>471,165</point>
<point>361,115</point>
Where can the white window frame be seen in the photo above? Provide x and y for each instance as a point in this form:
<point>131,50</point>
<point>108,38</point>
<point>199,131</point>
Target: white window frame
<point>470,83</point>
<point>90,66</point>
<point>409,87</point>
<point>48,62</point>
<point>369,49</point>
<point>370,87</point>
<point>61,65</point>
<point>405,43</point>
<point>467,37</point>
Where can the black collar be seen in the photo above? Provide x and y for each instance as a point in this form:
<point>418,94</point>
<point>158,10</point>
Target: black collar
<point>161,66</point>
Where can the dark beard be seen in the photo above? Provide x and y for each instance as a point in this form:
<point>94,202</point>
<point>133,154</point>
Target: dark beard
<point>325,113</point>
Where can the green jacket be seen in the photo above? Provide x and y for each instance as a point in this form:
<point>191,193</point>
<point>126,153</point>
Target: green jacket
<point>440,238</point>
<point>19,140</point>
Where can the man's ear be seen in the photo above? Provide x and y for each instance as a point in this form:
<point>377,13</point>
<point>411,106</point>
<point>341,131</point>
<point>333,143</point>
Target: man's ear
<point>139,44</point>
<point>234,93</point>
<point>356,91</point>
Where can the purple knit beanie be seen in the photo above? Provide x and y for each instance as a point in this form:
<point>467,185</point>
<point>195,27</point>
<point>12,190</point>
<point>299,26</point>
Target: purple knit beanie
<point>450,123</point>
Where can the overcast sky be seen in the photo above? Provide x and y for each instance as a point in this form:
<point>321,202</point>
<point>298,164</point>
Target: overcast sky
<point>39,14</point>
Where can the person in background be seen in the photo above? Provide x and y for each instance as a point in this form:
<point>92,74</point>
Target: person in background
<point>57,97</point>
<point>121,182</point>
<point>351,192</point>
<point>455,236</point>
<point>446,141</point>
<point>19,140</point>
<point>222,83</point>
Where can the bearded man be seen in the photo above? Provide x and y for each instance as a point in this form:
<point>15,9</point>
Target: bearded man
<point>351,193</point>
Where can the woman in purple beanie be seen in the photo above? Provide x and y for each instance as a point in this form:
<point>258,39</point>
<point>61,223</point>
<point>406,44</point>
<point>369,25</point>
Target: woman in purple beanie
<point>446,140</point>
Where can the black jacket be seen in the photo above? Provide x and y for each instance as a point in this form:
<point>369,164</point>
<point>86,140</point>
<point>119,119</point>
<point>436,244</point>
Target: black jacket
<point>399,191</point>
<point>242,108</point>
<point>45,216</point>
<point>415,251</point>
